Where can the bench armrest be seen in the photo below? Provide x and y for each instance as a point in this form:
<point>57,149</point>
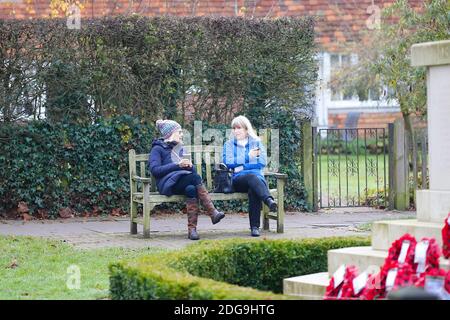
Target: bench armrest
<point>277,175</point>
<point>140,179</point>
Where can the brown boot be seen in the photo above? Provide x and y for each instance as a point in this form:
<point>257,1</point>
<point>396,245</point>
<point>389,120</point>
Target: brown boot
<point>204,197</point>
<point>192,213</point>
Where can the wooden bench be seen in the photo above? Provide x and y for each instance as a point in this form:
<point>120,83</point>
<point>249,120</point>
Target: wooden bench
<point>143,188</point>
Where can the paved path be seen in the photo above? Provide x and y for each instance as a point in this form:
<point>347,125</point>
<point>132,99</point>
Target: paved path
<point>169,231</point>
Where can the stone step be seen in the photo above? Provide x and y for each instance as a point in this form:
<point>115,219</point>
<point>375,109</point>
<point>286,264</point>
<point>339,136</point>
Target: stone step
<point>387,231</point>
<point>361,257</point>
<point>364,258</point>
<point>308,287</point>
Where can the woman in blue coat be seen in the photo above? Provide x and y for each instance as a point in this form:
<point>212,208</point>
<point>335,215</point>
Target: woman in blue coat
<point>246,156</point>
<point>175,174</point>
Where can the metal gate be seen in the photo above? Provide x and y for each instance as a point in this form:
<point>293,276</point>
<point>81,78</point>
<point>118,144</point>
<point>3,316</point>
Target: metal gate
<point>351,167</point>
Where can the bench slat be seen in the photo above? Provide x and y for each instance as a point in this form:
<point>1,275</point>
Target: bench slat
<point>143,173</point>
<point>202,148</point>
<point>155,197</point>
<point>209,182</point>
<point>198,163</point>
<point>141,157</point>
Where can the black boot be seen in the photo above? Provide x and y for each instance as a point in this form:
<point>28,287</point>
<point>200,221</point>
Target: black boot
<point>193,235</point>
<point>255,231</point>
<point>273,207</point>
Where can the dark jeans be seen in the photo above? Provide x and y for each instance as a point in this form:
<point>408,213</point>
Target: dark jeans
<point>257,192</point>
<point>187,185</point>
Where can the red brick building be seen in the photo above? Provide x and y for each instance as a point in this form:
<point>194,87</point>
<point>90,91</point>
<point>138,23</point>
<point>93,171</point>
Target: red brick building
<point>340,23</point>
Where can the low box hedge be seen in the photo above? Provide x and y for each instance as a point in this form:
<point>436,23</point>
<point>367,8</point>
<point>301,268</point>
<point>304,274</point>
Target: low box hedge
<point>226,269</point>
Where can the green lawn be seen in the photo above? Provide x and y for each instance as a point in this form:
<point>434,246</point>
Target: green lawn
<point>35,268</point>
<point>340,172</point>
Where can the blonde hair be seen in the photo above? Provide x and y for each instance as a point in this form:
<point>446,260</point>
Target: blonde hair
<point>243,122</point>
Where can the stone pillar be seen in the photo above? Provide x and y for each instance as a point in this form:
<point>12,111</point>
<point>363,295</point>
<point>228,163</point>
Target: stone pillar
<point>433,205</point>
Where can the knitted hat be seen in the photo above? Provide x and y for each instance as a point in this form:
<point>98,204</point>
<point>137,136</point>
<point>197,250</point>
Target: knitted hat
<point>167,127</point>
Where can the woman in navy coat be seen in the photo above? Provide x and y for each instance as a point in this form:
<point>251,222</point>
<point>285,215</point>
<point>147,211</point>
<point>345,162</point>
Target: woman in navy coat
<point>175,174</point>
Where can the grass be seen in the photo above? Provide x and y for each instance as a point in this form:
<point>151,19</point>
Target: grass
<point>36,268</point>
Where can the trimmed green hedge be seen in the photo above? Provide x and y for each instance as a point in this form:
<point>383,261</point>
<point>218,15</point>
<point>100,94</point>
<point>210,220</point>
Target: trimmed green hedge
<point>84,167</point>
<point>226,269</point>
<point>150,67</point>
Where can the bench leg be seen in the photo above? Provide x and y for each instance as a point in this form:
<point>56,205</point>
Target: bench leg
<point>280,203</point>
<point>147,211</point>
<point>133,215</point>
<point>147,207</point>
<point>265,217</point>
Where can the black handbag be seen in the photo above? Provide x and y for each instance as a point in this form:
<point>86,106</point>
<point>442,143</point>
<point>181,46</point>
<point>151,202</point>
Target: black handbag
<point>222,179</point>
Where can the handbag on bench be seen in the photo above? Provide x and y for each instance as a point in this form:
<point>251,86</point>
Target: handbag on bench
<point>222,179</point>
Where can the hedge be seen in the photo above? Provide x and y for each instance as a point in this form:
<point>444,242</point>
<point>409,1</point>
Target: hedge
<point>85,168</point>
<point>206,68</point>
<point>226,269</point>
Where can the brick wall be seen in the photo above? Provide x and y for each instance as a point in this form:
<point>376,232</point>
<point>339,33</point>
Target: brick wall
<point>369,120</point>
<point>366,119</point>
<point>377,120</point>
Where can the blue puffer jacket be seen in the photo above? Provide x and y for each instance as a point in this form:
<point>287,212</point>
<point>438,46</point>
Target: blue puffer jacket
<point>235,155</point>
<point>163,165</point>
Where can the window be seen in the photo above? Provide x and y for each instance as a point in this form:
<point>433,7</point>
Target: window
<point>333,63</point>
<point>337,62</point>
<point>358,97</point>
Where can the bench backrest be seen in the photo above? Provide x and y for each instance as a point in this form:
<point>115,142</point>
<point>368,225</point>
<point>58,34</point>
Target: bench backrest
<point>200,155</point>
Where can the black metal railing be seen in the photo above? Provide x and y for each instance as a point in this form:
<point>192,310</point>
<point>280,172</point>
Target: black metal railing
<point>351,167</point>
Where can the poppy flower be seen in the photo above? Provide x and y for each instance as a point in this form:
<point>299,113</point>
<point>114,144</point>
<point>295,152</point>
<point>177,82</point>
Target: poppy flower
<point>446,238</point>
